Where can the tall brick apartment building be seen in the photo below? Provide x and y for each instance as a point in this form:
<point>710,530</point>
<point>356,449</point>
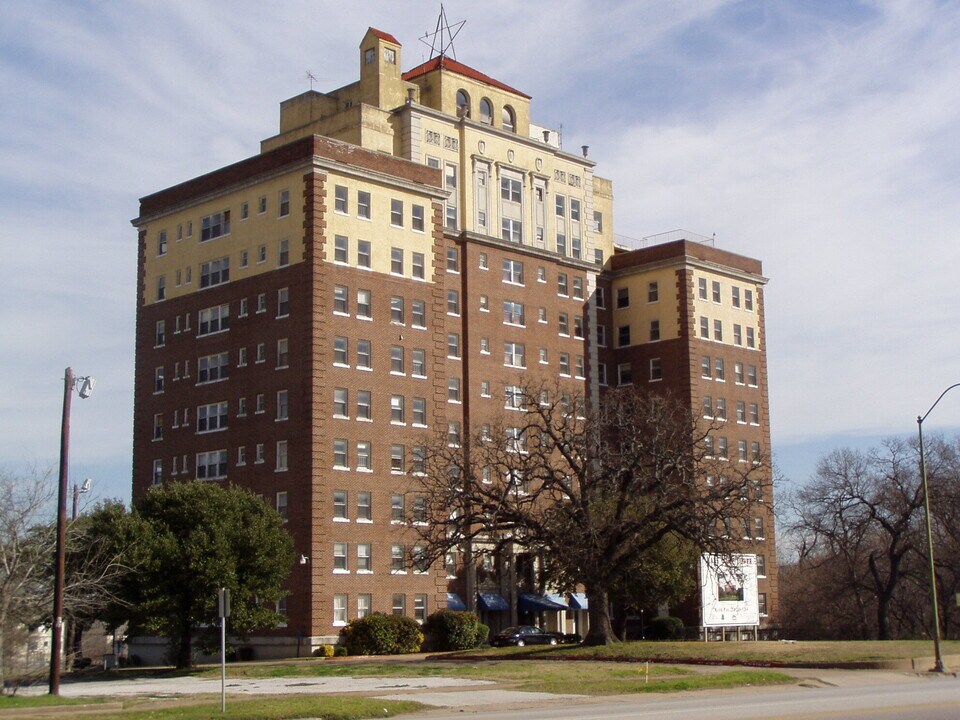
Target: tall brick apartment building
<point>406,250</point>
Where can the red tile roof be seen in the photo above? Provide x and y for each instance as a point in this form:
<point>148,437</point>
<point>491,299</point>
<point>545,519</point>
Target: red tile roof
<point>453,66</point>
<point>384,36</point>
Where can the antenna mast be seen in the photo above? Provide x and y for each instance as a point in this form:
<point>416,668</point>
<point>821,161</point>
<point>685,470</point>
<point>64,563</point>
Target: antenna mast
<point>442,37</point>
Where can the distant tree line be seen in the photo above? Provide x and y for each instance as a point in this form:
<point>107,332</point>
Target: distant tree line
<point>856,529</point>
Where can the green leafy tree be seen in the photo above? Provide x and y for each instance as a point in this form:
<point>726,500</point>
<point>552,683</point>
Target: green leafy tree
<point>192,539</point>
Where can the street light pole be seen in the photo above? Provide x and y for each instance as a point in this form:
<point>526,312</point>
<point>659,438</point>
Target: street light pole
<point>938,661</point>
<point>56,640</point>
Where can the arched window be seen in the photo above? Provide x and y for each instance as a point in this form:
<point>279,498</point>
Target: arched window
<point>486,112</point>
<point>463,104</point>
<point>509,119</point>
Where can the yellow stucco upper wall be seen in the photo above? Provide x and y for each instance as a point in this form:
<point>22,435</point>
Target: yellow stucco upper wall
<point>378,229</point>
<point>444,84</point>
<point>259,232</point>
<point>724,310</point>
<point>639,313</point>
<point>603,203</point>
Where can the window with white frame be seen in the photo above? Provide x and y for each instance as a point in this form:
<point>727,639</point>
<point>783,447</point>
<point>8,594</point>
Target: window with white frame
<point>363,355</point>
<point>213,320</point>
<point>363,253</point>
<point>416,219</point>
<point>212,465</point>
<point>364,559</point>
<point>215,272</point>
<point>364,507</point>
<point>364,304</point>
<point>363,204</point>
<point>340,351</point>
<point>281,465</point>
<point>514,355</point>
<point>419,411</point>
<point>398,559</point>
<point>215,225</point>
<point>340,199</point>
<point>363,455</point>
<point>212,417</point>
<point>341,247</point>
<point>418,267</point>
<point>513,272</point>
<point>624,374</point>
<point>340,561</point>
<point>364,407</point>
<point>340,458</point>
<point>396,310</point>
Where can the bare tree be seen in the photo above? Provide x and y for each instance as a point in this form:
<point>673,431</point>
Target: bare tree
<point>857,521</point>
<point>596,494</point>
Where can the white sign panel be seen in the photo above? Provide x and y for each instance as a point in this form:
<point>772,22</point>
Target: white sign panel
<point>729,590</point>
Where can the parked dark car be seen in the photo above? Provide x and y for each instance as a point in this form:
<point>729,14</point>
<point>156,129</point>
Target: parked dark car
<point>530,635</point>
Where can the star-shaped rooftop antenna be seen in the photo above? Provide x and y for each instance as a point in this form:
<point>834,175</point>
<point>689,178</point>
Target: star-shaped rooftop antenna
<point>441,39</point>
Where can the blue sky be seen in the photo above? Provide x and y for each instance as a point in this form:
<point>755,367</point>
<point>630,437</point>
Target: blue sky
<point>818,136</point>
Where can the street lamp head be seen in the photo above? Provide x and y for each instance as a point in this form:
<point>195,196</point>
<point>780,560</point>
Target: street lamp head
<point>86,485</point>
<point>86,386</point>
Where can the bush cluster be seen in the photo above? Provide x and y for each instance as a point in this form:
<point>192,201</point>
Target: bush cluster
<point>665,628</point>
<point>452,630</point>
<point>379,634</point>
<point>324,651</point>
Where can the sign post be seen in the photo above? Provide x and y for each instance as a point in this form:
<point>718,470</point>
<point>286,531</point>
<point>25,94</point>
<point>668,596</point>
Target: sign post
<point>224,601</point>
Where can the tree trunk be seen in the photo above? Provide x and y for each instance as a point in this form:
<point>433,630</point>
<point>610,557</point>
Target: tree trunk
<point>883,624</point>
<point>619,620</point>
<point>601,629</point>
<point>185,647</point>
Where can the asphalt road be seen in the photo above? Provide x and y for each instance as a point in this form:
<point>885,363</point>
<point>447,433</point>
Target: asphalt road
<point>908,698</point>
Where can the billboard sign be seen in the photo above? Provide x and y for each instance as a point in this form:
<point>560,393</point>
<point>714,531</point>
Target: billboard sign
<point>728,590</point>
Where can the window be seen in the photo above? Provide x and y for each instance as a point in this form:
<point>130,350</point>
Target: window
<point>283,405</point>
<point>340,563</point>
<point>363,253</point>
<point>653,292</point>
<point>283,253</point>
<point>722,448</point>
<point>364,513</point>
<point>397,560</point>
<point>450,184</point>
<point>761,602</point>
<point>364,309</point>
<point>158,426</point>
<point>742,450</point>
<point>211,417</point>
<point>761,567</point>
<point>420,607</point>
<point>160,338</point>
<point>281,456</point>
<point>751,340</point>
<point>281,503</point>
<point>484,303</point>
<point>624,374</point>
<point>654,330</point>
<point>396,359</point>
<point>755,452</point>
<point>508,119</point>
<point>162,242</point>
<point>758,528</point>
<point>418,266</point>
<point>704,328</point>
<point>738,372</point>
<point>364,405</point>
<point>453,433</point>
<point>578,288</point>
<point>162,287</point>
<point>716,291</point>
<point>737,334</point>
<point>364,564</point>
<point>752,375</point>
<point>562,284</point>
<point>453,260</point>
<point>363,204</point>
<point>510,189</point>
<point>602,335</point>
<point>656,370</point>
<point>261,403</point>
<point>396,213</point>
<point>363,455</point>
<point>702,288</point>
<point>623,336</point>
<point>707,406</point>
<point>623,297</point>
<point>718,330</point>
<point>453,390</point>
<point>463,104</point>
<point>397,509</point>
<point>748,299</point>
<point>396,409</point>
<point>721,409</point>
<point>397,459</point>
<point>340,302</point>
<point>563,323</point>
<point>262,302</point>
<point>511,230</point>
<point>718,371</point>
<point>261,352</point>
<point>213,226</point>
<point>364,604</point>
<point>340,199</point>
<point>482,261</point>
<point>735,296</point>
<point>416,220</point>
<point>418,313</point>
<point>513,272</point>
<point>418,363</point>
<point>213,320</point>
<point>513,313</point>
<point>419,411</point>
<point>340,458</point>
<point>754,414</point>
<point>453,345</point>
<point>283,202</point>
<point>514,355</point>
<point>212,465</point>
<point>340,347</point>
<point>283,302</point>
<point>261,253</point>
<point>484,346</point>
<point>602,373</point>
<point>259,453</point>
<point>453,302</point>
<point>363,354</point>
<point>262,204</point>
<point>340,247</point>
<point>212,368</point>
<point>341,400</point>
<point>741,411</point>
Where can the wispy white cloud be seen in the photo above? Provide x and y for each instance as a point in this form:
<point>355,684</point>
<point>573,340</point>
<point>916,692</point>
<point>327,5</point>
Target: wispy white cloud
<point>819,137</point>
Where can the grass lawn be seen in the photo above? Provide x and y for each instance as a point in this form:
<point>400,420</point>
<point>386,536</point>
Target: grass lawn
<point>751,652</point>
<point>267,708</point>
<point>10,702</point>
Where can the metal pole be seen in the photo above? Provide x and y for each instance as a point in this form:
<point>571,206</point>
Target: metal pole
<point>938,662</point>
<point>223,664</point>
<point>57,631</point>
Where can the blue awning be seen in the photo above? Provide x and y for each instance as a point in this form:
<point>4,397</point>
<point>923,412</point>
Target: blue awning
<point>528,602</point>
<point>492,601</point>
<point>578,601</point>
<point>454,602</point>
